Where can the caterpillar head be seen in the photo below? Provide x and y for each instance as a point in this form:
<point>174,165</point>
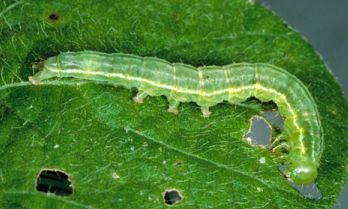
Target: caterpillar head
<point>52,62</point>
<point>303,171</point>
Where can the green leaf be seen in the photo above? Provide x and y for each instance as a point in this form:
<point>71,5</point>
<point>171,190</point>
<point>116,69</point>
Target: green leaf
<point>119,154</point>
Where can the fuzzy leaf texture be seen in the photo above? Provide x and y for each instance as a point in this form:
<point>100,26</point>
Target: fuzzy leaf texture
<point>123,155</point>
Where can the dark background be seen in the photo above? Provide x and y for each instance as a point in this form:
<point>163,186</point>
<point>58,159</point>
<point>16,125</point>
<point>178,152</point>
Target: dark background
<point>325,25</point>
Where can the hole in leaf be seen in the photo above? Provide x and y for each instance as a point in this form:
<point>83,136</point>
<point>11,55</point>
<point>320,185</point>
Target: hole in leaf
<point>260,132</point>
<point>178,163</point>
<point>54,181</point>
<point>310,191</point>
<point>172,196</point>
<point>264,129</point>
<point>274,118</point>
<point>53,16</point>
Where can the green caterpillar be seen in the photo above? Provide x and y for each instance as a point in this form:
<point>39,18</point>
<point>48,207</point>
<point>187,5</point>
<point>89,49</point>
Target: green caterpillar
<point>302,133</point>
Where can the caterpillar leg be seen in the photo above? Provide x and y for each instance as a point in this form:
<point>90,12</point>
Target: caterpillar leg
<point>282,157</point>
<point>40,76</point>
<point>278,140</point>
<point>205,111</point>
<point>281,147</point>
<point>173,106</point>
<point>139,98</point>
